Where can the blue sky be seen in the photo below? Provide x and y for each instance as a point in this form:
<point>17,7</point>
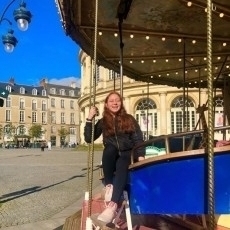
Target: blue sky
<point>43,51</point>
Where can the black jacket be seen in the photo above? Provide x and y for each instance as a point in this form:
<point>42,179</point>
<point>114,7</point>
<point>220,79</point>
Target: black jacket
<point>122,141</point>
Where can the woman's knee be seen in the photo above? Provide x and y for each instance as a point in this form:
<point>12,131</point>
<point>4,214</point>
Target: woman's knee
<point>110,152</point>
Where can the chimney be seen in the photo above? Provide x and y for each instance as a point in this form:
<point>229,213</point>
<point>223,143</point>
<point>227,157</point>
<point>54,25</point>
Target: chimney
<point>11,81</point>
<point>73,84</point>
<point>43,82</point>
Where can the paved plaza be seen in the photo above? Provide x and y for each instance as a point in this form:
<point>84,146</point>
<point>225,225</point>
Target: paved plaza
<point>37,186</point>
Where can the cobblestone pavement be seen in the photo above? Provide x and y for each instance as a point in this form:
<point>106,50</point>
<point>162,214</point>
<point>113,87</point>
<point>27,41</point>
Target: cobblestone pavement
<point>36,185</point>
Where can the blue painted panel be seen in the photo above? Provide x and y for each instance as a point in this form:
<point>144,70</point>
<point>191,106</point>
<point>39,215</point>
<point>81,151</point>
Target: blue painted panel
<point>179,186</point>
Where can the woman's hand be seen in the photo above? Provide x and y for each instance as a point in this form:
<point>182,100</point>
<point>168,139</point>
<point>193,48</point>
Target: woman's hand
<point>141,158</point>
<point>93,112</point>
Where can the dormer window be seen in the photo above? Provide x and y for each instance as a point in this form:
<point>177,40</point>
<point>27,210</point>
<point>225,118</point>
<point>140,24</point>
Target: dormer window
<point>43,92</point>
<point>34,92</point>
<point>8,87</point>
<point>52,91</point>
<point>71,93</point>
<point>62,92</point>
<point>22,90</point>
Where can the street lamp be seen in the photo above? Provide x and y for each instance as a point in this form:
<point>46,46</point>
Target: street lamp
<point>22,17</point>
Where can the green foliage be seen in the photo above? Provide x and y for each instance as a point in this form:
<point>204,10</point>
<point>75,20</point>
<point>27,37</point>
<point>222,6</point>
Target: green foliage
<point>63,133</point>
<point>9,130</point>
<point>36,131</point>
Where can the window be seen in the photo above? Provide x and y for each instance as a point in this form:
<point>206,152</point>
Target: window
<point>113,75</point>
<point>53,117</point>
<point>8,115</point>
<point>97,74</point>
<point>8,87</point>
<point>9,130</point>
<point>22,116</point>
<point>43,92</point>
<point>21,103</point>
<point>34,105</point>
<point>72,130</point>
<point>71,93</point>
<point>62,92</point>
<point>52,91</point>
<point>72,118</point>
<point>53,129</point>
<point>63,118</point>
<point>34,117</point>
<point>22,90</point>
<point>21,130</point>
<point>220,119</point>
<point>62,103</point>
<point>178,122</point>
<point>34,92</point>
<point>72,104</point>
<point>8,102</point>
<point>44,118</point>
<point>146,116</point>
<point>52,102</point>
<point>44,106</point>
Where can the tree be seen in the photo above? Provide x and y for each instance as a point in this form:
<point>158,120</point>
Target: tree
<point>36,131</point>
<point>9,131</point>
<point>63,133</point>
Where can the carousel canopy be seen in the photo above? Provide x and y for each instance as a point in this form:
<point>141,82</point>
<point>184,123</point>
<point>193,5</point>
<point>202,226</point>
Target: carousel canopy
<point>162,41</point>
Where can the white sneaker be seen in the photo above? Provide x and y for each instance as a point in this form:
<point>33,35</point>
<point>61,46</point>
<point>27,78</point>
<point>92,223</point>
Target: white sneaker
<point>109,213</point>
<point>107,193</point>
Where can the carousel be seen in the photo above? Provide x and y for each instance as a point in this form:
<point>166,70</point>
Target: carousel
<point>177,43</point>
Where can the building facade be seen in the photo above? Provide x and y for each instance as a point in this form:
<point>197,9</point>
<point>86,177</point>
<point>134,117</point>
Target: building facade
<point>52,106</point>
<point>158,109</point>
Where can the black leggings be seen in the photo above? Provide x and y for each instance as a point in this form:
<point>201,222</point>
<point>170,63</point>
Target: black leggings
<point>113,162</point>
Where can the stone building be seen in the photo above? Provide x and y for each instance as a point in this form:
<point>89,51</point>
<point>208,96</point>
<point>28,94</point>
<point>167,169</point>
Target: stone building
<point>157,108</point>
<point>52,106</point>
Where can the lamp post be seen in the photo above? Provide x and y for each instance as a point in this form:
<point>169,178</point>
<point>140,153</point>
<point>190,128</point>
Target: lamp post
<point>22,17</point>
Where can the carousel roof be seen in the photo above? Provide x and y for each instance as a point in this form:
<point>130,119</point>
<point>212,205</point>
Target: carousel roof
<point>164,41</point>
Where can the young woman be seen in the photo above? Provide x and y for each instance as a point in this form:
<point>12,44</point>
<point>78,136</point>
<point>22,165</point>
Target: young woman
<point>120,133</point>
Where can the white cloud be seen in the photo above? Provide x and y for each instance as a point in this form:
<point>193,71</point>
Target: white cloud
<point>65,81</point>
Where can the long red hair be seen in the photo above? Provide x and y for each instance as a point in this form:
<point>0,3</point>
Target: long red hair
<point>125,122</point>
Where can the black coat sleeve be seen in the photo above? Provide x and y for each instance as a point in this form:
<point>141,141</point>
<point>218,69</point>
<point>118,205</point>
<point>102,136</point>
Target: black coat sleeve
<point>137,138</point>
<point>88,131</point>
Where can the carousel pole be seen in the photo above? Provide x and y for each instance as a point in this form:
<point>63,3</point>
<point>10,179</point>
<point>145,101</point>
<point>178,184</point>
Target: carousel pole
<point>211,205</point>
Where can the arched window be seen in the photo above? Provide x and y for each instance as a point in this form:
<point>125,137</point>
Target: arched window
<point>43,92</point>
<point>21,130</point>
<point>62,92</point>
<point>180,123</point>
<point>34,92</point>
<point>22,90</point>
<point>146,116</point>
<point>220,119</point>
<point>9,130</point>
